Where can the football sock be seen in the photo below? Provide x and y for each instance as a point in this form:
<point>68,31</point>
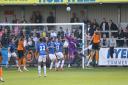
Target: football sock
<point>58,64</point>
<point>39,70</point>
<point>62,63</point>
<point>51,65</point>
<point>1,72</point>
<point>44,70</point>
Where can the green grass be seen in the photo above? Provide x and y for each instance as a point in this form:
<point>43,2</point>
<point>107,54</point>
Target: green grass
<point>72,76</point>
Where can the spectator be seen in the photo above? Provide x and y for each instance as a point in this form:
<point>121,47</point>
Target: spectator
<point>91,30</point>
<point>44,33</point>
<point>126,35</point>
<point>78,33</point>
<point>16,29</point>
<point>12,33</point>
<point>61,33</point>
<point>36,39</point>
<point>104,42</point>
<point>121,33</point>
<point>24,20</point>
<point>1,33</point>
<point>75,33</point>
<point>14,19</point>
<point>112,44</point>
<point>34,32</point>
<point>5,37</point>
<point>32,18</point>
<point>51,19</point>
<point>83,16</point>
<point>95,23</point>
<point>30,43</point>
<point>120,36</point>
<point>74,18</point>
<point>67,32</point>
<point>113,27</point>
<point>104,27</point>
<point>53,34</point>
<point>25,44</point>
<point>24,32</point>
<point>38,17</point>
<point>126,32</point>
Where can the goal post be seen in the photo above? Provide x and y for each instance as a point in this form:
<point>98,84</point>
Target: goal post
<point>56,25</point>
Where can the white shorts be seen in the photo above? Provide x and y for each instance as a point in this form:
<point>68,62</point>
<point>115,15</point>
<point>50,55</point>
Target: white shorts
<point>42,58</point>
<point>60,55</point>
<point>12,54</point>
<point>52,56</point>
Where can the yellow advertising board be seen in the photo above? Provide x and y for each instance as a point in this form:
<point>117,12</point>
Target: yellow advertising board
<point>19,1</point>
<point>111,1</point>
<point>58,1</point>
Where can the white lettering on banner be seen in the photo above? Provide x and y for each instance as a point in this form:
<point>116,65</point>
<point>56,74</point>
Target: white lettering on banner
<point>117,62</point>
<point>120,57</point>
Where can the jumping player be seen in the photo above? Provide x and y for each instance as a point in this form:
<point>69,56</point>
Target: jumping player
<point>51,48</point>
<point>95,46</point>
<point>41,49</point>
<point>59,53</point>
<point>21,58</point>
<point>71,48</point>
<point>11,51</point>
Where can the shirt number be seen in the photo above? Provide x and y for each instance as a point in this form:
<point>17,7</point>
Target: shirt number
<point>42,48</point>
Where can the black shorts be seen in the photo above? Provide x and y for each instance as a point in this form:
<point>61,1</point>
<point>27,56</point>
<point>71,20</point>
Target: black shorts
<point>20,53</point>
<point>95,46</point>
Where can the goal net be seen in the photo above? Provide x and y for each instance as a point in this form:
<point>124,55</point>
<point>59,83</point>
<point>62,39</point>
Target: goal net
<point>32,32</point>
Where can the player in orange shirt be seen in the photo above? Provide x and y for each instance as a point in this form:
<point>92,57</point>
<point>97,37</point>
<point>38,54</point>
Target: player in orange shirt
<point>95,46</point>
<point>21,57</point>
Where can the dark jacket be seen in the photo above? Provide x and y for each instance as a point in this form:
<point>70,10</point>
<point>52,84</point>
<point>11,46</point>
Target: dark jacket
<point>50,19</point>
<point>113,26</point>
<point>60,34</point>
<point>38,19</point>
<point>121,34</point>
<point>106,26</point>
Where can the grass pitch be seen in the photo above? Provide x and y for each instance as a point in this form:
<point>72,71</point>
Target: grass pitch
<point>70,76</point>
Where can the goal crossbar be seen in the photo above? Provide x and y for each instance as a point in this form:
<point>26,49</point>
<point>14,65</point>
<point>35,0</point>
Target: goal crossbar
<point>39,24</point>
